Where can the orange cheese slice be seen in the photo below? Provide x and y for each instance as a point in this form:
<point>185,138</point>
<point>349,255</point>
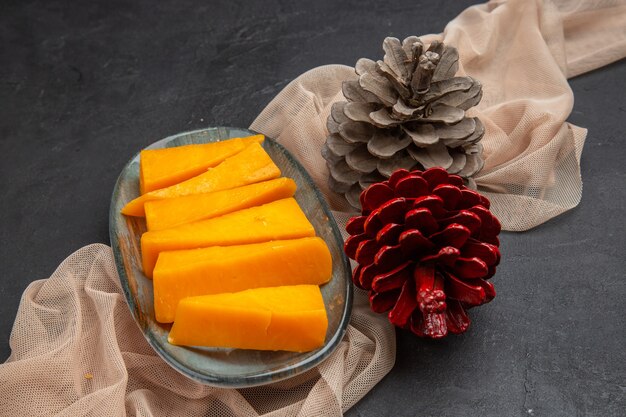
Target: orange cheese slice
<point>291,318</point>
<point>281,219</point>
<point>170,212</point>
<point>250,165</point>
<point>221,269</point>
<point>160,168</point>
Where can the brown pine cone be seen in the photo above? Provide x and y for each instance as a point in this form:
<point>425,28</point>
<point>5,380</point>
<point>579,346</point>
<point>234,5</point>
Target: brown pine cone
<point>408,111</point>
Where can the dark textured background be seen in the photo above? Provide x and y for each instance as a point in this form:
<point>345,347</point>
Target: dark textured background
<point>85,86</point>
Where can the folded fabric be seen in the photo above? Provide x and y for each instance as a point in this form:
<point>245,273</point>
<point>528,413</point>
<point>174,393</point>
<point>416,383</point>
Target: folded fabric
<point>77,351</point>
<point>522,52</point>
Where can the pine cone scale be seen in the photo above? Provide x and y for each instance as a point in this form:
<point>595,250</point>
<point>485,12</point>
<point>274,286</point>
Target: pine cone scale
<point>421,219</point>
<point>457,319</point>
<point>380,87</point>
<point>464,292</point>
<point>338,146</point>
<point>395,57</point>
<point>411,186</point>
<point>436,155</point>
<point>361,160</point>
<point>448,65</point>
<point>337,112</point>
<point>459,131</point>
<point>389,234</point>
<point>421,134</point>
<point>442,113</point>
<point>400,160</point>
<point>393,279</point>
<point>356,131</point>
<point>381,118</point>
<point>353,91</point>
<point>407,302</point>
<point>451,85</point>
<point>383,146</point>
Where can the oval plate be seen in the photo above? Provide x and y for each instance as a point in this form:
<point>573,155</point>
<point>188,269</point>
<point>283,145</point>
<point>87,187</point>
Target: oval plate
<point>233,368</point>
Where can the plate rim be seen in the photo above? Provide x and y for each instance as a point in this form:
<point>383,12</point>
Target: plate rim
<point>212,379</point>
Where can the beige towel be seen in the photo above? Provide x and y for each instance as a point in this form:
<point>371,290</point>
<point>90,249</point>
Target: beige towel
<point>522,52</point>
<point>76,350</point>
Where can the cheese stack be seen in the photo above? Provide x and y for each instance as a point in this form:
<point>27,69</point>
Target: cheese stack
<point>229,249</point>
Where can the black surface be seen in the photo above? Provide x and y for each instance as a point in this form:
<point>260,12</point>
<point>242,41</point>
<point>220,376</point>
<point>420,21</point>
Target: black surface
<point>85,86</point>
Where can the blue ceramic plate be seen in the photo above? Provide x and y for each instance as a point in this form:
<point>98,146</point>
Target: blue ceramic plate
<point>234,368</point>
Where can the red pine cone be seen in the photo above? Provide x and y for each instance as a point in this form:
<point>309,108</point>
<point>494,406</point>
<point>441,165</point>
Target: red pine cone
<point>425,246</point>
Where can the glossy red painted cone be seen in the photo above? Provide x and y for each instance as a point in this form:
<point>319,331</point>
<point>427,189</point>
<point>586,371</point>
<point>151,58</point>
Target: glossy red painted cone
<point>426,247</point>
